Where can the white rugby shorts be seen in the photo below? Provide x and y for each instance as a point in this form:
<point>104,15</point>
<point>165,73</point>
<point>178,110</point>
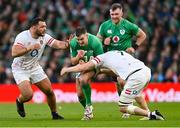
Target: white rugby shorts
<point>134,86</point>
<point>34,75</point>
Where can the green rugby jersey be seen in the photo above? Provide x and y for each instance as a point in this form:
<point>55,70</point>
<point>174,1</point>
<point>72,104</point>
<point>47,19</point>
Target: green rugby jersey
<point>121,34</point>
<point>93,48</point>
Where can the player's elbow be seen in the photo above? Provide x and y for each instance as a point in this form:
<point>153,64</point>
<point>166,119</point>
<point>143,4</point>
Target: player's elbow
<point>144,35</point>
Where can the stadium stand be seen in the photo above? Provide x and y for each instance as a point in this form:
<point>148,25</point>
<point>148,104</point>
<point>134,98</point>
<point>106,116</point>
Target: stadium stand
<point>158,18</point>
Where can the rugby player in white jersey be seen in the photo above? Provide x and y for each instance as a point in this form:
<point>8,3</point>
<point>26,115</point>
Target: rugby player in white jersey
<point>130,69</point>
<point>27,49</point>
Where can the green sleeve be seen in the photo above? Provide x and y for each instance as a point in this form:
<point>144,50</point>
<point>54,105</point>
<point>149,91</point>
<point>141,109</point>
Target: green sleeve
<point>133,28</point>
<point>101,30</point>
<point>98,48</point>
<point>73,50</point>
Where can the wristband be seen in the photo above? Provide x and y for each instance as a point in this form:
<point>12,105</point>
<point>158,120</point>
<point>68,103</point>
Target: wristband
<point>135,46</point>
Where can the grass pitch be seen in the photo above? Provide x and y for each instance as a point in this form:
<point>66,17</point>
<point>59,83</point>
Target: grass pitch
<point>105,115</point>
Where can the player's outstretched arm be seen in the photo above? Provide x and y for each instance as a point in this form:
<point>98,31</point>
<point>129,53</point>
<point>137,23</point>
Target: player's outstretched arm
<point>78,68</point>
<point>60,44</point>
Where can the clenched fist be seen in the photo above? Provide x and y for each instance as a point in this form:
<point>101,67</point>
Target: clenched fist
<point>34,46</point>
<point>63,71</point>
<point>81,53</point>
<point>107,41</point>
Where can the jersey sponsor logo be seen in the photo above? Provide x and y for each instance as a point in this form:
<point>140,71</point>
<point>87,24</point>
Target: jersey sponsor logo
<point>109,31</point>
<point>115,39</point>
<point>34,52</point>
<point>122,32</point>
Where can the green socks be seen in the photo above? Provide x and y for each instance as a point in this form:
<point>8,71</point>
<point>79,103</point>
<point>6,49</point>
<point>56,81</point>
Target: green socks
<point>82,101</point>
<point>87,93</point>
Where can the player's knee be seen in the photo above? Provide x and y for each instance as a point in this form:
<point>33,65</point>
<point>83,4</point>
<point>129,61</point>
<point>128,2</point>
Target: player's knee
<point>123,109</point>
<point>49,92</point>
<point>83,80</point>
<point>28,96</point>
<point>81,96</point>
<point>128,109</point>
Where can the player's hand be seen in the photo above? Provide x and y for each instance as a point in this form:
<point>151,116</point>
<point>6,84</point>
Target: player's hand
<point>81,53</point>
<point>67,43</point>
<point>37,46</point>
<point>107,41</point>
<point>63,71</point>
<point>130,50</point>
<point>70,38</point>
<point>34,46</point>
<point>81,61</point>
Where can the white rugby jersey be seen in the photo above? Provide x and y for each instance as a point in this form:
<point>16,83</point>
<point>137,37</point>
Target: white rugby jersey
<point>30,59</point>
<point>120,62</point>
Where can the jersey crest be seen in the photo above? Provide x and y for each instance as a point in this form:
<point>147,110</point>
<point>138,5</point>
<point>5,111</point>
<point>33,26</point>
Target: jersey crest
<point>122,32</point>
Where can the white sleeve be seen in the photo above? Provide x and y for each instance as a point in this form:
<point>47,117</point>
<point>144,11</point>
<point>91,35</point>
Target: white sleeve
<point>49,39</point>
<point>20,40</point>
<point>98,61</point>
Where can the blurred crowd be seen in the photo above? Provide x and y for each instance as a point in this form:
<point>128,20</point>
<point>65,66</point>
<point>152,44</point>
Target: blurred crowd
<point>160,19</point>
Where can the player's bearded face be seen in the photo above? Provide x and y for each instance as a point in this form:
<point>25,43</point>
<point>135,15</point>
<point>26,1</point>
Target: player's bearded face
<point>82,39</point>
<point>41,29</point>
<point>116,15</point>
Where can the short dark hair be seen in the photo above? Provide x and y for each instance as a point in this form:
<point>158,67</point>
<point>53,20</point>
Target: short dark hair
<point>115,6</point>
<point>35,21</point>
<point>80,30</point>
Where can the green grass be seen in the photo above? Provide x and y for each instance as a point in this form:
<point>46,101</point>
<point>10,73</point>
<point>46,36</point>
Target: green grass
<point>106,115</point>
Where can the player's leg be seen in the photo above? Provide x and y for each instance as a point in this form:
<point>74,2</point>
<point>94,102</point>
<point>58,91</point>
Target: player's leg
<point>142,102</point>
<point>40,79</point>
<point>79,92</point>
<point>132,89</point>
<point>26,94</point>
<point>22,80</point>
<point>139,99</point>
<point>45,86</point>
<point>26,91</point>
<point>84,82</point>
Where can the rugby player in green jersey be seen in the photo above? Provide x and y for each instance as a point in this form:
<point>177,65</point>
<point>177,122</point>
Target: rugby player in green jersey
<point>116,34</point>
<point>83,47</point>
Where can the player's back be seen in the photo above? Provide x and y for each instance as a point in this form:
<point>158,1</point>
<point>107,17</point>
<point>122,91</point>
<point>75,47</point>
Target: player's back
<point>120,62</point>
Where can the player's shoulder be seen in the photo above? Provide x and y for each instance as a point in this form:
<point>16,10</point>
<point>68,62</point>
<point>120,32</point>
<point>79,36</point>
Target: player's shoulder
<point>92,36</point>
<point>93,39</point>
<point>126,22</point>
<point>22,35</point>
